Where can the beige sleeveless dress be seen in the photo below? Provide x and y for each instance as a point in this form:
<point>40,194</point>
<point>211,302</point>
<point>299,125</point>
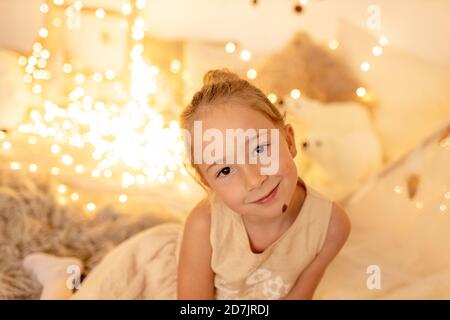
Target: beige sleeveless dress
<point>145,266</point>
<point>242,274</point>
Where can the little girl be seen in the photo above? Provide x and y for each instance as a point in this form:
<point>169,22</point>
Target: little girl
<point>256,235</point>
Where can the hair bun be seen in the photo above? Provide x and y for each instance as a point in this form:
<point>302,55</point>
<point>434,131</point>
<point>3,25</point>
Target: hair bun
<point>218,76</point>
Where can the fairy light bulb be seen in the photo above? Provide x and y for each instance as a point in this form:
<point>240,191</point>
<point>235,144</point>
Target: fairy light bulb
<point>361,92</point>
<point>123,198</point>
<point>6,145</point>
<point>95,173</point>
<point>32,140</point>
<point>55,171</point>
<point>443,207</point>
<point>75,196</point>
<point>175,66</point>
<point>230,47</point>
<point>22,61</point>
<point>67,159</point>
<point>365,66</point>
<point>140,4</point>
<point>43,32</point>
<point>377,51</point>
<point>14,166</point>
<point>295,94</point>
<point>100,13</point>
<point>77,5</point>
<point>333,44</point>
<point>109,74</point>
<point>62,188</point>
<point>67,68</point>
<point>419,205</point>
<point>272,97</point>
<point>126,9</point>
<point>383,40</point>
<point>44,8</point>
<point>91,206</point>
<point>246,55</point>
<point>55,149</point>
<point>251,74</point>
<point>33,167</point>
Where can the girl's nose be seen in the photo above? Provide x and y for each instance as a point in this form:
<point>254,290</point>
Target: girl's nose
<point>253,177</point>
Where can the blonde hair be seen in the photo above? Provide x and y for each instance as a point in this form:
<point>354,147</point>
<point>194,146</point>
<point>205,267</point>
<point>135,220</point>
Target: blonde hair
<point>219,87</point>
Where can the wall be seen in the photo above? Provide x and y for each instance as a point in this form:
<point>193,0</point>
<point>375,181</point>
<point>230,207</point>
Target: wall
<point>420,26</point>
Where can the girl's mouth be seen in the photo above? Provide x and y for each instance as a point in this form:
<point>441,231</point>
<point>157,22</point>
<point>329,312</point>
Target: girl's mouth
<point>268,197</point>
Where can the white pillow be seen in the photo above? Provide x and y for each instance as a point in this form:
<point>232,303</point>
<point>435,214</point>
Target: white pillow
<point>412,94</point>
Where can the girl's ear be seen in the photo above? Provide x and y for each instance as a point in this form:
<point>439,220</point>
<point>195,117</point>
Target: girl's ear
<point>290,139</point>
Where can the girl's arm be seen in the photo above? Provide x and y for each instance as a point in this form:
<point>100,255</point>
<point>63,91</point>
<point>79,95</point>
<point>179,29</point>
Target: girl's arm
<point>338,232</point>
<point>195,276</point>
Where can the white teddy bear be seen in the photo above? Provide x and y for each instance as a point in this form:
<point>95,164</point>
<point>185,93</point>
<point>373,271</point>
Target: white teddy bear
<point>338,149</point>
<point>14,94</point>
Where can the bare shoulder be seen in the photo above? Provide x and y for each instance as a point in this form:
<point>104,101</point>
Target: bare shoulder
<point>337,234</point>
<point>339,226</point>
<point>195,275</point>
<point>200,216</point>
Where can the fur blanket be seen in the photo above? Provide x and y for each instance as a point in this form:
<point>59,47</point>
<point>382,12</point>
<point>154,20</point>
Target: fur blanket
<point>31,220</point>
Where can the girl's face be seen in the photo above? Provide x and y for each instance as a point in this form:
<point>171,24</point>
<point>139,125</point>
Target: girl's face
<point>240,185</point>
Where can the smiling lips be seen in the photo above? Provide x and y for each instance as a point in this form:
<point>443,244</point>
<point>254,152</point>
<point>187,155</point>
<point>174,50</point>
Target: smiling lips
<point>268,197</point>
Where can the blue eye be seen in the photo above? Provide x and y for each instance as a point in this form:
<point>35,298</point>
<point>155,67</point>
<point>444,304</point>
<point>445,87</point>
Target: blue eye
<point>261,148</point>
<point>226,171</point>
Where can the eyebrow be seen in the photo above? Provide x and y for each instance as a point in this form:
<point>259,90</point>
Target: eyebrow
<point>246,143</point>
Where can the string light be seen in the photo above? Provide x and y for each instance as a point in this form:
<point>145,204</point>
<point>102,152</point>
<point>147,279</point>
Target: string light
<point>246,55</point>
<point>175,66</point>
<point>33,167</point>
<point>14,165</point>
<point>251,74</point>
<point>272,97</point>
<point>6,145</point>
<point>365,66</point>
<point>55,148</point>
<point>85,120</point>
<point>126,9</point>
<point>43,32</point>
<point>79,168</point>
<point>230,47</point>
<point>123,198</point>
<point>377,51</point>
<point>43,8</point>
<point>62,188</point>
<point>67,68</point>
<point>67,159</point>
<point>295,94</point>
<point>361,92</point>
<point>75,196</point>
<point>100,13</point>
<point>383,40</point>
<point>90,206</point>
<point>333,44</point>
